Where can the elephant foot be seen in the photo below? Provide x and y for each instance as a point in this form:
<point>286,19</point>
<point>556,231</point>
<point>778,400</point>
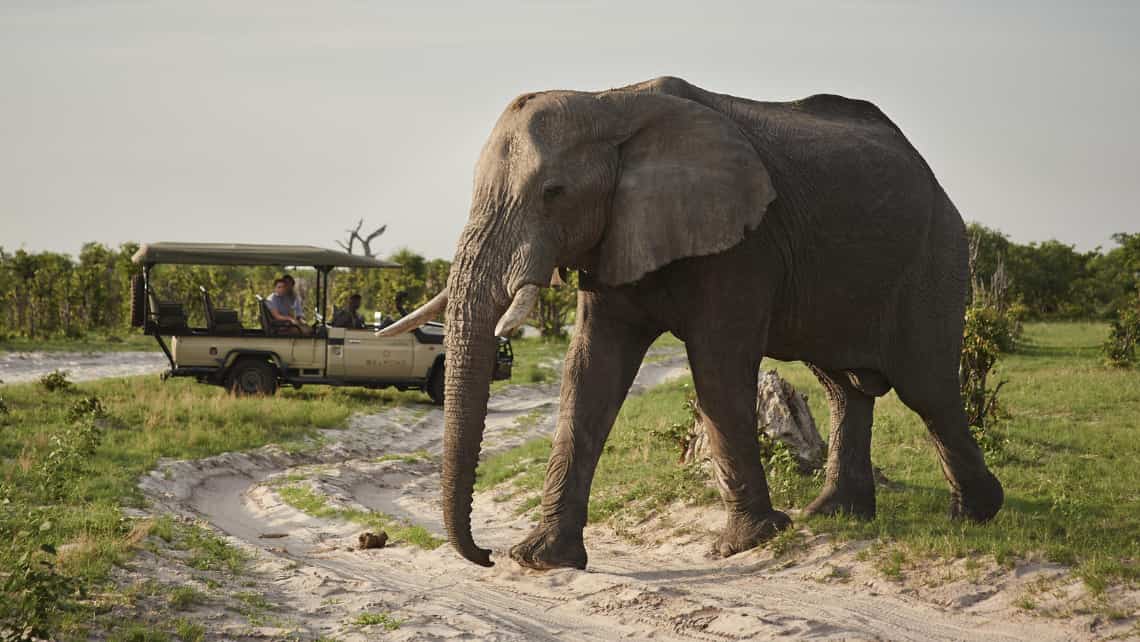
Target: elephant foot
<point>549,548</point>
<point>857,500</point>
<point>977,501</point>
<point>745,532</point>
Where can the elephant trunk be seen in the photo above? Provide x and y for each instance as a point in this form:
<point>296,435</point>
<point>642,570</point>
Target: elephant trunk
<point>494,272</point>
<point>469,365</point>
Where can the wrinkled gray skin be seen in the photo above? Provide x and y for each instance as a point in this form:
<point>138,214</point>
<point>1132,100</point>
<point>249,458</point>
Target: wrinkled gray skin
<point>808,230</point>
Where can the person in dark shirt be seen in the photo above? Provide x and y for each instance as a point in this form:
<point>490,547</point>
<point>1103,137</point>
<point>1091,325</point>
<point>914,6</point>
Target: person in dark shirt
<point>349,316</point>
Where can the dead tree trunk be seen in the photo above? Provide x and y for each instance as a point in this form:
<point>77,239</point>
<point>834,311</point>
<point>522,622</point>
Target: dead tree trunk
<point>365,241</point>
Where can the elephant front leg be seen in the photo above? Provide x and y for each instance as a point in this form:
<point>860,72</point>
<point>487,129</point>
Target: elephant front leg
<point>601,364</point>
<point>725,380</point>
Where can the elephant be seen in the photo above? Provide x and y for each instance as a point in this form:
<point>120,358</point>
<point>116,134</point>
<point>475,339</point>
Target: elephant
<point>808,230</point>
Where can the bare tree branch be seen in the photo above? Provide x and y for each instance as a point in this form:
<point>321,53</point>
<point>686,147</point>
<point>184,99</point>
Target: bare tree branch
<point>353,236</point>
<point>366,243</point>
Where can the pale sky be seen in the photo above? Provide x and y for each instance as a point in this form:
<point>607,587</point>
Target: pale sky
<point>286,122</point>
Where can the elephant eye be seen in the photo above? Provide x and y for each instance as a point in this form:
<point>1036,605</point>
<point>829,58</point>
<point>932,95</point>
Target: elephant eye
<point>551,192</point>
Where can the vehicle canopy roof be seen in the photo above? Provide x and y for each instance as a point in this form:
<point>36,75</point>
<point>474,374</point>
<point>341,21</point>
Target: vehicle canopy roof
<point>252,254</point>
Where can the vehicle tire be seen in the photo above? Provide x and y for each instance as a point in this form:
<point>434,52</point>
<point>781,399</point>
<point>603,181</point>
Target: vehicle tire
<point>138,301</point>
<point>249,377</point>
<point>434,386</point>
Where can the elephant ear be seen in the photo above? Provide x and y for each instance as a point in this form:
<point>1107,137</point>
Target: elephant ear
<point>690,184</point>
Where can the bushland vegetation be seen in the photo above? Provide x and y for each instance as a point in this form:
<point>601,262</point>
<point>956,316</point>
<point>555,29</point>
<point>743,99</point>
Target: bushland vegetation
<point>49,296</point>
<point>50,300</point>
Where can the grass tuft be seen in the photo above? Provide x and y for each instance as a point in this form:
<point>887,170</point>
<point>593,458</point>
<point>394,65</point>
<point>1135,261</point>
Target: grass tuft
<point>378,619</point>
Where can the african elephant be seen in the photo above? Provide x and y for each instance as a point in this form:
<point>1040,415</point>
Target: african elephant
<point>807,230</point>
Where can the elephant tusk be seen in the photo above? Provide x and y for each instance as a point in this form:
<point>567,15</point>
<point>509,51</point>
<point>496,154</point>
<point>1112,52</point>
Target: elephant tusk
<point>417,317</point>
<point>520,309</point>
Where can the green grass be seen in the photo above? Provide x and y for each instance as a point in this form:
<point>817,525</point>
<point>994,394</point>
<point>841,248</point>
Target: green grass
<point>377,619</point>
<point>62,482</point>
<point>184,597</point>
<point>532,361</point>
<point>208,552</point>
<point>1069,467</point>
<point>189,631</point>
<point>309,502</point>
<point>638,469</point>
<point>93,343</point>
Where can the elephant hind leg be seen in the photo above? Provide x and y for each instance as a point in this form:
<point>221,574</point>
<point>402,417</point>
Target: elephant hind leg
<point>975,493</point>
<point>849,485</point>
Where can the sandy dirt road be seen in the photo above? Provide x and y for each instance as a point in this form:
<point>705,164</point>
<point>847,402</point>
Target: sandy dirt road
<point>16,367</point>
<point>663,587</point>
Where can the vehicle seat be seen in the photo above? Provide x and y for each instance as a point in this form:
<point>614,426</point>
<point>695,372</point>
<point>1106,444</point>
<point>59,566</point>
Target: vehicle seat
<point>219,321</point>
<point>168,316</point>
<point>270,326</point>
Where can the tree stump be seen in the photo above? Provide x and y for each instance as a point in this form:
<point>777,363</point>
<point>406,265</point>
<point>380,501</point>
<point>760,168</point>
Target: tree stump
<point>782,414</point>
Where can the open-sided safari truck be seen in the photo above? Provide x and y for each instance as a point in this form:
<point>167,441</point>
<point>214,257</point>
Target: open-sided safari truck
<point>256,358</point>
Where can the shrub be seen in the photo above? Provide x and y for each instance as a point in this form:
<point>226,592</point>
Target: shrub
<point>681,433</point>
<point>3,407</point>
<point>980,348</point>
<point>1120,348</point>
<point>33,591</point>
<point>992,326</point>
<point>70,452</point>
<point>56,381</point>
<point>1000,315</point>
<point>88,407</point>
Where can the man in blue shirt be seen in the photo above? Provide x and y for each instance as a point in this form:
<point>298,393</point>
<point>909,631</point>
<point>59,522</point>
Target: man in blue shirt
<point>285,305</point>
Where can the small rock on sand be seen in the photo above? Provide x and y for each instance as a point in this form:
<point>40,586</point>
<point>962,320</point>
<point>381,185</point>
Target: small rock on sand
<point>372,540</point>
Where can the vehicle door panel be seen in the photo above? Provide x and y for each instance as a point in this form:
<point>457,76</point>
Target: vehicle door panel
<point>369,356</point>
<point>335,352</point>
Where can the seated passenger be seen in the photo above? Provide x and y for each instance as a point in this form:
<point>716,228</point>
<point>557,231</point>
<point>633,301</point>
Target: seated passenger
<point>292,291</point>
<point>284,305</point>
<point>349,316</point>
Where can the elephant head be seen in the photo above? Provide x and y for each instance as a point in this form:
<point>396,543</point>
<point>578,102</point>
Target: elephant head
<point>617,184</point>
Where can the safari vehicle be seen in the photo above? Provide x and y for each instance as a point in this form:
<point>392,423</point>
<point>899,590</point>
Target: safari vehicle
<point>258,358</point>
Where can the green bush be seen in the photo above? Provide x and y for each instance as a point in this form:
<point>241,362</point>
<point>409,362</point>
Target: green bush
<point>1120,348</point>
<point>87,407</point>
<point>982,338</point>
<point>992,326</point>
<point>56,381</point>
<point>680,433</point>
<point>71,450</point>
<point>33,592</point>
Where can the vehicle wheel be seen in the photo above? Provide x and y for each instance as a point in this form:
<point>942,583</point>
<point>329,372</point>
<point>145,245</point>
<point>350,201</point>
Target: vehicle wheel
<point>434,386</point>
<point>138,301</point>
<point>251,377</point>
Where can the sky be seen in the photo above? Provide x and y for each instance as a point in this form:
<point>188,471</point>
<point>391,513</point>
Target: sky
<point>287,122</point>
